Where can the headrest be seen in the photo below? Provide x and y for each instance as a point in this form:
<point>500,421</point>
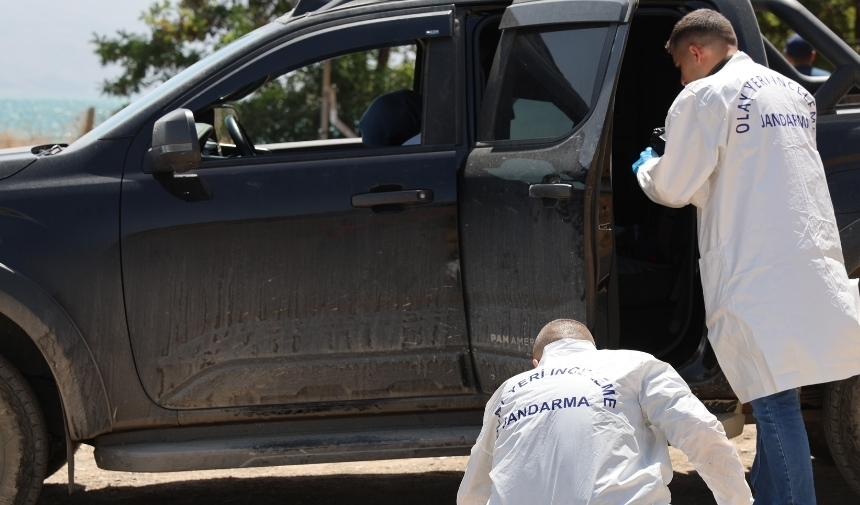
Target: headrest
<point>391,119</point>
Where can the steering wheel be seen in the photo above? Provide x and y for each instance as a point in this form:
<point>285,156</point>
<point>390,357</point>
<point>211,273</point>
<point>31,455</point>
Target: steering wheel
<point>243,143</point>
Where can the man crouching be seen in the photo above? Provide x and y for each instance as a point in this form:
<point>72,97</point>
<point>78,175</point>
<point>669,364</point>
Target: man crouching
<point>591,427</point>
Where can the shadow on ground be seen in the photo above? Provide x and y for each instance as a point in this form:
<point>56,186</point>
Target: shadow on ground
<point>385,489</point>
<point>830,487</point>
<point>416,488</point>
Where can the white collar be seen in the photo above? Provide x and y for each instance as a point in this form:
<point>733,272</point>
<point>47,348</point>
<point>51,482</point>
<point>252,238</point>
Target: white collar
<point>739,57</point>
<point>565,347</point>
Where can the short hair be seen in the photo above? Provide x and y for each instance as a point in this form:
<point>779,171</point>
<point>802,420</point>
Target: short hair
<point>558,330</point>
<point>703,27</point>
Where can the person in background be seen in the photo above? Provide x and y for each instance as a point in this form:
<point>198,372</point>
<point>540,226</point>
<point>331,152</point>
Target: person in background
<point>800,54</point>
<point>590,427</point>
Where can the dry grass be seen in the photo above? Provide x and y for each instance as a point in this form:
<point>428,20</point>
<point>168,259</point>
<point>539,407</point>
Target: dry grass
<point>78,126</point>
<point>9,139</point>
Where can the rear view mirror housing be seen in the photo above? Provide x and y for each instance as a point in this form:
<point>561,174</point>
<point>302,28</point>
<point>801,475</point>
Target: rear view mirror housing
<point>175,146</point>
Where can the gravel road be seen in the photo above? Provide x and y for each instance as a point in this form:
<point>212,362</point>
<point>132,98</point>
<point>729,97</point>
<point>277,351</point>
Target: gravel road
<point>414,481</point>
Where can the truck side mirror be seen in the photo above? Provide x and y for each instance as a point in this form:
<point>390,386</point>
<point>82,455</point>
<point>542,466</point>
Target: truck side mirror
<point>175,147</point>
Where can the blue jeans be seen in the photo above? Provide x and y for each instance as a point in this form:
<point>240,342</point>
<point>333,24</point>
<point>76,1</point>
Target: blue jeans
<point>782,471</point>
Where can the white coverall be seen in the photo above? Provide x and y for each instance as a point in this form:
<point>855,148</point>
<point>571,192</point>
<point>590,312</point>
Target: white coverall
<point>590,427</point>
<point>781,311</point>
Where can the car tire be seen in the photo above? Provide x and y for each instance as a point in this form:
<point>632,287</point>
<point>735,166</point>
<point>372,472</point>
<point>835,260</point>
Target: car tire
<point>23,439</point>
<point>842,427</point>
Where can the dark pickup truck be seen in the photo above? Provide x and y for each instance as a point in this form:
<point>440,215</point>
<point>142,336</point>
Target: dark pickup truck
<point>182,291</point>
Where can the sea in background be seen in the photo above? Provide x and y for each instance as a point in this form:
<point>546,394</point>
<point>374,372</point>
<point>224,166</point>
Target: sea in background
<point>60,120</point>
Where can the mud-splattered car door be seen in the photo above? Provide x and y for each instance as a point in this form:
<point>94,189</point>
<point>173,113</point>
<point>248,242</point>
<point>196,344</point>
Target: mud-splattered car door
<point>312,271</point>
<point>533,233</point>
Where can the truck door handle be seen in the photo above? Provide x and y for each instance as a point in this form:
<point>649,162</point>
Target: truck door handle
<point>559,190</point>
<point>406,197</point>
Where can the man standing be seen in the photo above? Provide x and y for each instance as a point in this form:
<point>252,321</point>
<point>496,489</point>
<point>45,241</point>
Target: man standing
<point>800,54</point>
<point>590,427</point>
<point>781,312</point>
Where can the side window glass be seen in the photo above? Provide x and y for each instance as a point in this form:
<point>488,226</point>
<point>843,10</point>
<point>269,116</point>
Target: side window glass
<point>800,54</point>
<point>548,82</point>
<point>363,99</point>
<point>787,49</point>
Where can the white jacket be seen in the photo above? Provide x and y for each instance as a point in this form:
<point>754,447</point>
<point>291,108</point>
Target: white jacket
<point>590,427</point>
<point>740,146</point>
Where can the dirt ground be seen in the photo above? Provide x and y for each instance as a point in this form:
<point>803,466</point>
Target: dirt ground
<point>414,481</point>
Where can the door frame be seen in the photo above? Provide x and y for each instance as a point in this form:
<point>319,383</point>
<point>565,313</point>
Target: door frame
<point>492,364</point>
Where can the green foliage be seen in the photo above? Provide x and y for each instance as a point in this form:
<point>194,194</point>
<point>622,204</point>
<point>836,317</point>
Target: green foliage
<point>179,35</point>
<point>841,16</point>
<point>288,109</point>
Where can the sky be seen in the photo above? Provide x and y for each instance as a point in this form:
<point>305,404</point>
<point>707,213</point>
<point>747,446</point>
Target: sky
<point>45,48</point>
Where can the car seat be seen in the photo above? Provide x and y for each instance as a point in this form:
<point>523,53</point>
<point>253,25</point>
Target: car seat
<point>392,119</point>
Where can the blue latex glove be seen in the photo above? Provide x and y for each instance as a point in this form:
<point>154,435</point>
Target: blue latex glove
<point>644,156</point>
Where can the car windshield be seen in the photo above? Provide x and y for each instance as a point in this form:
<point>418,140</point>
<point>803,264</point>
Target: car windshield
<point>225,53</point>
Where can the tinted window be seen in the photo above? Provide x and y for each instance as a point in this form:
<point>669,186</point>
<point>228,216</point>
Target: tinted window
<point>360,99</point>
<point>290,108</point>
<point>548,82</point>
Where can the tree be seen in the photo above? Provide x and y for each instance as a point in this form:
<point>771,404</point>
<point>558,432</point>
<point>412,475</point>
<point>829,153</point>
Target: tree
<point>180,34</point>
<point>286,109</point>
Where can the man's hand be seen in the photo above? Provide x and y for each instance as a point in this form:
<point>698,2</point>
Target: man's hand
<point>644,156</point>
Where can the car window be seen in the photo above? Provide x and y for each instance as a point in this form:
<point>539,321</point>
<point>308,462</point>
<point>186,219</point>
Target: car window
<point>802,55</point>
<point>548,82</point>
<point>778,33</point>
<point>363,99</point>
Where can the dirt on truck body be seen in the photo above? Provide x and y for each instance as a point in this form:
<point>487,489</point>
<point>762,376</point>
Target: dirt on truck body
<point>201,283</point>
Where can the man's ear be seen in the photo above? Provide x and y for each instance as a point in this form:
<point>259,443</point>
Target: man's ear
<point>535,362</point>
<point>696,52</point>
<point>812,57</point>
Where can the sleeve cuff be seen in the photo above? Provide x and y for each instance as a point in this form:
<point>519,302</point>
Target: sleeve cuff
<point>643,174</point>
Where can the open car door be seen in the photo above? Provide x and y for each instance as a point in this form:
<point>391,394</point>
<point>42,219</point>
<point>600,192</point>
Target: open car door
<point>536,236</point>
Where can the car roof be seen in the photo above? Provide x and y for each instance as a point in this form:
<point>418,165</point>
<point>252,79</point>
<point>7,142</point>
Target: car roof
<point>305,8</point>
